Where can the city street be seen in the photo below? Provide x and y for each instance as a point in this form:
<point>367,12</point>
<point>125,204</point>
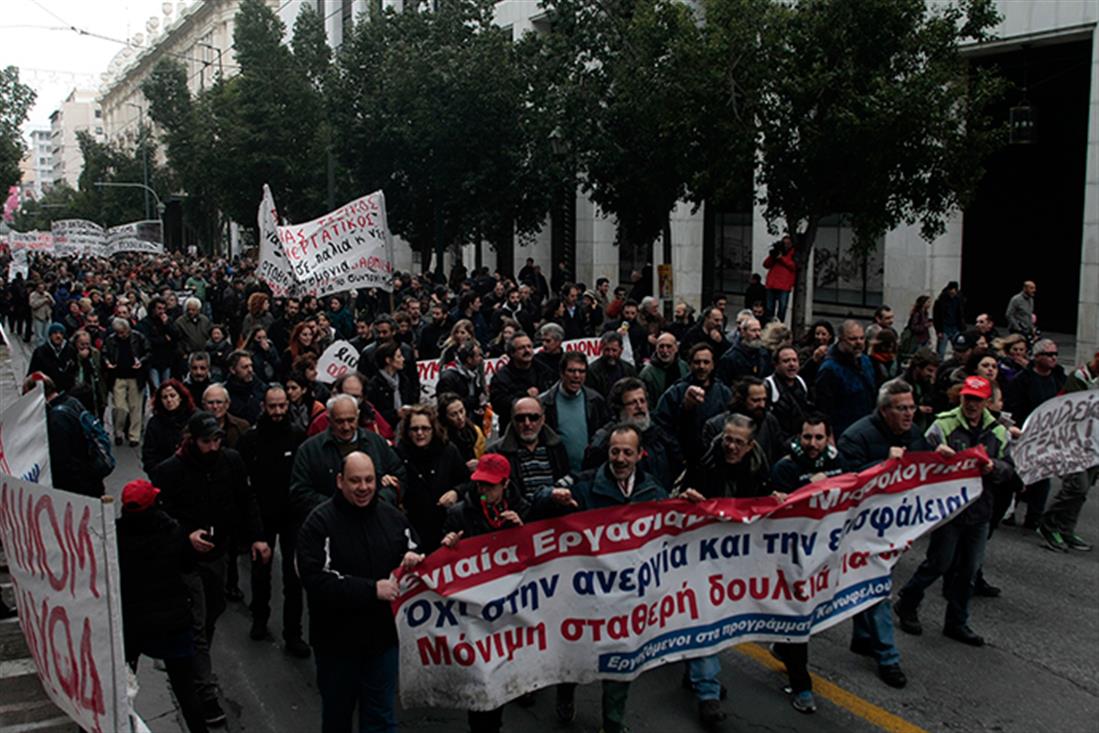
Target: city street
<point>1038,671</point>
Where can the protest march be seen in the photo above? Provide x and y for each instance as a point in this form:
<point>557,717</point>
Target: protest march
<point>478,489</point>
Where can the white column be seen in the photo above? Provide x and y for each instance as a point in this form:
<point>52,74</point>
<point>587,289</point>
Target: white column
<point>1087,318</point>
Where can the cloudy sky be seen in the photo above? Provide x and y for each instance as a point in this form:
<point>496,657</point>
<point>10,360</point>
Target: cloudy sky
<point>35,35</point>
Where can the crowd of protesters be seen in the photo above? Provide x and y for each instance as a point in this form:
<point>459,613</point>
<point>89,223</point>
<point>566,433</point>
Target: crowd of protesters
<point>249,456</point>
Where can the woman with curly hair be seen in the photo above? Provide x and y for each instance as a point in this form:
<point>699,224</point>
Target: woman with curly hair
<point>436,473</point>
<point>172,407</point>
<point>258,315</point>
<point>302,341</point>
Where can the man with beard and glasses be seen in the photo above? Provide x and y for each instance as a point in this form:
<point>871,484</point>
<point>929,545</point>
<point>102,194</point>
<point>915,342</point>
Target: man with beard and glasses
<point>750,399</point>
<point>629,402</point>
<point>748,358</point>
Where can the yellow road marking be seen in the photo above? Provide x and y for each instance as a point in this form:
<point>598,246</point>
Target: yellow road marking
<point>835,694</point>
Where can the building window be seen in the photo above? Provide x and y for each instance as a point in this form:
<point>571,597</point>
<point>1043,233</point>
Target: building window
<point>730,251</point>
<point>98,113</point>
<point>841,275</point>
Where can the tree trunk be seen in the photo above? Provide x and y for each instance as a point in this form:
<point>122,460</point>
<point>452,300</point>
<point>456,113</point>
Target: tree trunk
<point>803,250</point>
<point>440,241</point>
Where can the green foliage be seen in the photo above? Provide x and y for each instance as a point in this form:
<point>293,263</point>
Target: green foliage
<point>433,108</point>
<point>16,100</point>
<point>618,78</point>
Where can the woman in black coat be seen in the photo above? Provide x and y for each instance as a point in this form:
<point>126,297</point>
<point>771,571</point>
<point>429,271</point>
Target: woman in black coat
<point>172,408</point>
<point>153,554</point>
<point>436,473</point>
<point>390,390</point>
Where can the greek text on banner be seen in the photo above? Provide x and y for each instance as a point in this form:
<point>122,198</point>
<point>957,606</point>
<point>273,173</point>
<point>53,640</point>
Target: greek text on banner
<point>607,594</point>
<point>1061,437</point>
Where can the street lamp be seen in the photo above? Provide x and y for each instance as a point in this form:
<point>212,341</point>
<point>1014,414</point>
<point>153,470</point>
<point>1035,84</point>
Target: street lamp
<point>159,205</point>
<point>144,151</point>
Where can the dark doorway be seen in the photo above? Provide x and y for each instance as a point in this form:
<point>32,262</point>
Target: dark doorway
<point>1026,221</point>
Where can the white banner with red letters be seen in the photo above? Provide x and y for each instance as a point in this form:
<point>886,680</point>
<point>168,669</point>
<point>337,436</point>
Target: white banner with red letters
<point>608,594</point>
<point>63,559</point>
<point>1060,437</point>
<point>338,359</point>
<point>345,249</point>
<point>24,447</point>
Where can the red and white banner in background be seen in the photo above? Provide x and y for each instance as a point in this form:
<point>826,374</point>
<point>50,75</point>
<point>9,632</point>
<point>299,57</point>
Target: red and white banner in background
<point>63,559</point>
<point>429,369</point>
<point>343,250</point>
<point>24,449</point>
<point>610,593</point>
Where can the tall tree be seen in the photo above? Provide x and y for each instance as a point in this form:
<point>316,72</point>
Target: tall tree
<point>16,100</point>
<point>433,107</point>
<point>620,76</point>
<point>868,109</point>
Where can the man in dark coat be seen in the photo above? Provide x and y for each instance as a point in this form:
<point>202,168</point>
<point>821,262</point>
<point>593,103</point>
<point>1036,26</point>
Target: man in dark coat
<point>522,375</point>
<point>268,451</point>
<point>348,548</point>
<point>537,456</point>
<point>572,410</point>
<point>688,404</point>
<point>245,391</point>
<point>845,385</point>
<point>56,359</point>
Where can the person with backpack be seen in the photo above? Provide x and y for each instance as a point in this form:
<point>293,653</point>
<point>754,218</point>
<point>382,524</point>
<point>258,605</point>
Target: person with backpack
<point>80,451</point>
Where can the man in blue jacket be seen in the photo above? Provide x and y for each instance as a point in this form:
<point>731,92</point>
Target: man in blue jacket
<point>845,386</point>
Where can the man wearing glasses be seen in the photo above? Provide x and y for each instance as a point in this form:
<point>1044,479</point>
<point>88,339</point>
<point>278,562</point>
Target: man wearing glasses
<point>886,433</point>
<point>215,400</point>
<point>1040,381</point>
<point>536,453</point>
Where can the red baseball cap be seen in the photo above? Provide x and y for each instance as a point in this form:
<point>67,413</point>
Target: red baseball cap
<point>493,468</point>
<point>977,387</point>
<point>138,495</point>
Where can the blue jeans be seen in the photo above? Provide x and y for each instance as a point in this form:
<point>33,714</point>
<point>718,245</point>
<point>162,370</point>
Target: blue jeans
<point>703,672</point>
<point>40,329</point>
<point>957,547</point>
<point>369,682</point>
<point>157,376</point>
<point>948,334</point>
<point>776,304</point>
<point>874,626</point>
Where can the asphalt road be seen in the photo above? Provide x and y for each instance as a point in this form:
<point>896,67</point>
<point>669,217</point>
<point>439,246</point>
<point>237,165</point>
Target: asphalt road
<point>1038,672</point>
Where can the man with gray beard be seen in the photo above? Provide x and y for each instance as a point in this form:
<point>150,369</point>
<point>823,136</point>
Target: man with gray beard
<point>748,358</point>
<point>629,404</point>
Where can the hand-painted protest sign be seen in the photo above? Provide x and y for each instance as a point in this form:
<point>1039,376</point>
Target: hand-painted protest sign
<point>607,594</point>
<point>77,237</point>
<point>345,249</point>
<point>63,559</point>
<point>31,241</point>
<point>18,264</point>
<point>337,360</point>
<point>274,269</point>
<point>1061,437</point>
<point>24,449</point>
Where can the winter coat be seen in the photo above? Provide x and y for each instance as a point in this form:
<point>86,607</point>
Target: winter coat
<point>468,516</point>
<point>470,441</point>
<point>510,383</point>
<point>660,457</point>
<point>686,425</point>
<point>342,552</point>
<point>508,446</point>
<point>599,490</point>
<point>381,393</point>
<point>89,384</point>
<point>162,341</point>
<point>781,271</point>
<point>952,429</point>
<point>209,492</point>
<point>245,398</point>
<point>715,479</point>
<point>769,436</point>
<point>153,554</point>
<point>268,451</point>
<point>867,442</point>
<point>192,334</point>
<point>70,450</point>
<point>57,364</point>
<point>113,354</point>
<point>744,361</point>
<point>471,390</point>
<point>318,460</point>
<point>601,376</point>
<point>789,403</point>
<point>846,388</point>
<point>658,377</point>
<point>163,434</point>
<point>1028,390</point>
<point>431,471</point>
<point>796,469</point>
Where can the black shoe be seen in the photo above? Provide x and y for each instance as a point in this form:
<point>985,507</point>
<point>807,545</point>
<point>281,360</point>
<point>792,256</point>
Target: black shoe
<point>118,441</point>
<point>233,594</point>
<point>526,701</point>
<point>259,632</point>
<point>212,713</point>
<point>710,712</point>
<point>1009,520</point>
<point>892,675</point>
<point>133,443</point>
<point>963,634</point>
<point>1076,542</point>
<point>863,648</point>
<point>7,612</point>
<point>986,590</point>
<point>908,619</point>
<point>297,648</point>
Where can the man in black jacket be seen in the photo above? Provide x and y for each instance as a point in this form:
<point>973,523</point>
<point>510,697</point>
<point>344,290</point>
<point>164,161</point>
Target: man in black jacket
<point>522,375</point>
<point>245,391</point>
<point>610,366</point>
<point>537,455</point>
<point>268,451</point>
<point>70,452</point>
<point>55,358</point>
<point>629,404</point>
<point>205,487</point>
<point>347,550</point>
<point>160,332</point>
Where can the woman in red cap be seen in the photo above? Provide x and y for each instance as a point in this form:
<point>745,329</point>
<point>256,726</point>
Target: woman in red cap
<point>153,553</point>
<point>490,503</point>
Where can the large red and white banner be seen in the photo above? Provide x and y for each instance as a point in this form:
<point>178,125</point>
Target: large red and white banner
<point>63,560</point>
<point>608,594</point>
